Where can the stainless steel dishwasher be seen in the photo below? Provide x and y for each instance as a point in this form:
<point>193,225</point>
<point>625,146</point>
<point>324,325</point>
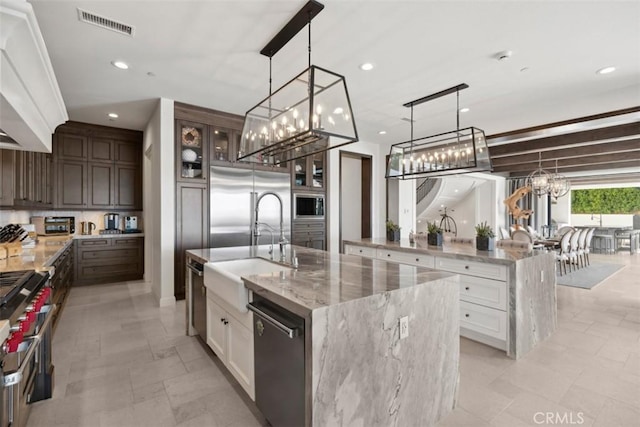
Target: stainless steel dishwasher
<point>198,299</point>
<point>278,339</point>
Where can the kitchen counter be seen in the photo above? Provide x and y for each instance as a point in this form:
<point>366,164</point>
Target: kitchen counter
<point>508,297</point>
<point>39,258</point>
<point>107,236</point>
<point>455,250</point>
<point>358,371</point>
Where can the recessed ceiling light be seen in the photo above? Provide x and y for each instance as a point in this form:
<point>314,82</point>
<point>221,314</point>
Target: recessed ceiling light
<point>367,66</point>
<point>455,191</point>
<point>113,115</point>
<point>382,132</point>
<point>464,110</point>
<point>120,64</point>
<point>606,70</point>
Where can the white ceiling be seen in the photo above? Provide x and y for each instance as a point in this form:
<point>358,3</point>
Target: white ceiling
<point>207,53</point>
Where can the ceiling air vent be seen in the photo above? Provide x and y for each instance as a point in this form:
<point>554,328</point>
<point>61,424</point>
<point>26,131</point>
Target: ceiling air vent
<point>109,24</point>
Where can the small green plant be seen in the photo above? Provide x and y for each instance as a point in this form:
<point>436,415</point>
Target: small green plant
<point>484,230</point>
<point>392,226</point>
<point>433,228</point>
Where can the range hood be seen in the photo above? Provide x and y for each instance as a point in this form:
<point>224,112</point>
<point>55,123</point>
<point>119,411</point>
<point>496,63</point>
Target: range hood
<point>31,105</point>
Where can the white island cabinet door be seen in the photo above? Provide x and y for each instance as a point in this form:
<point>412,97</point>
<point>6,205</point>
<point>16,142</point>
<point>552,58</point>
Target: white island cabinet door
<point>240,355</point>
<point>216,328</point>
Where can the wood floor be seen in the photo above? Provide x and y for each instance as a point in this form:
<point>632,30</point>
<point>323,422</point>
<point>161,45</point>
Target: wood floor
<point>120,361</point>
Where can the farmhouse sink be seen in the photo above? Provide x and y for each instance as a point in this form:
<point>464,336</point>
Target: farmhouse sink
<point>224,278</point>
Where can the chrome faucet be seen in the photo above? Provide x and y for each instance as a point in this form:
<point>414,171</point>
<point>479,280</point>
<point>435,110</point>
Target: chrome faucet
<point>592,218</point>
<point>256,229</point>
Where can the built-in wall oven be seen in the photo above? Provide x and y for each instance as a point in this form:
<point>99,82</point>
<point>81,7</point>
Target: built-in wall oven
<point>308,206</point>
<point>26,373</point>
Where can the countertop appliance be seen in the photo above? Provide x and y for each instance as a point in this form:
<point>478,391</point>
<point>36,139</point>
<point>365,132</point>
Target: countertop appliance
<point>308,206</point>
<point>231,206</point>
<point>25,356</point>
<point>278,342</point>
<point>54,225</point>
<point>131,224</point>
<point>87,227</point>
<point>111,221</point>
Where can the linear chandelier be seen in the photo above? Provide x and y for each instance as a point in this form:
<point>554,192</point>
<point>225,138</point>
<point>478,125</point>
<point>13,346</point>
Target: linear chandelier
<point>456,152</point>
<point>309,114</point>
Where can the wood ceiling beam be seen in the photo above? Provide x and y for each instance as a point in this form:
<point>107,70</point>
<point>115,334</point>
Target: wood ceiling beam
<point>592,136</point>
<point>566,153</point>
<point>606,179</point>
<point>603,161</point>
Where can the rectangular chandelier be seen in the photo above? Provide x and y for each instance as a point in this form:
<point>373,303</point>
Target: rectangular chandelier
<point>310,114</point>
<point>456,152</point>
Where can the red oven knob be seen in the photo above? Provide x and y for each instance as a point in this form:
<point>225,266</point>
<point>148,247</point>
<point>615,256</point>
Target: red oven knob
<point>31,316</point>
<point>46,292</point>
<point>14,341</point>
<point>24,325</point>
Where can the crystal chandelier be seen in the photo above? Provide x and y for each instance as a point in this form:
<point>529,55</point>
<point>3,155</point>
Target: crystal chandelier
<point>560,184</point>
<point>539,180</point>
<point>309,114</point>
<point>456,152</point>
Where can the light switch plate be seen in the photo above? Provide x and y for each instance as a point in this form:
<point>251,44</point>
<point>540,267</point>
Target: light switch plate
<point>404,327</point>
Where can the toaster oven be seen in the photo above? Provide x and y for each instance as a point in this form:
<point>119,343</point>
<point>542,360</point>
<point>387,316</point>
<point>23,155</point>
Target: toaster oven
<point>54,225</point>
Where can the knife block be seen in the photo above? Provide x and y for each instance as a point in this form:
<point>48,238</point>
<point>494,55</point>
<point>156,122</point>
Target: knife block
<point>12,249</point>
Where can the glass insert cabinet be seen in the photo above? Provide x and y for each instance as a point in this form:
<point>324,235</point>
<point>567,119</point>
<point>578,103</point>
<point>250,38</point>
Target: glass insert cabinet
<point>308,172</point>
<point>193,149</point>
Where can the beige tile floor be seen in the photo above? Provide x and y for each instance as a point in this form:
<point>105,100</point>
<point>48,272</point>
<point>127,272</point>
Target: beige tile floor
<point>120,361</point>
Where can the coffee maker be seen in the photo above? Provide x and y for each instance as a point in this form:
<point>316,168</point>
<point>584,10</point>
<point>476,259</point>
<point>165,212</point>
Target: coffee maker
<point>111,221</point>
<point>131,224</point>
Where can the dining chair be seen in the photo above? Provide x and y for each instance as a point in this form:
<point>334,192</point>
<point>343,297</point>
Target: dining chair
<point>562,255</point>
<point>582,240</point>
<point>587,244</point>
<point>574,250</point>
<point>504,233</point>
<point>521,236</point>
<point>532,231</point>
<point>565,229</point>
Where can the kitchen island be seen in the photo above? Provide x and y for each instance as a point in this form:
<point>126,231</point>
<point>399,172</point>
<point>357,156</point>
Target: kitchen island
<point>357,369</point>
<point>508,297</point>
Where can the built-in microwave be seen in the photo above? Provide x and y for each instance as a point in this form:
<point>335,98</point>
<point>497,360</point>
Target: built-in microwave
<point>308,206</point>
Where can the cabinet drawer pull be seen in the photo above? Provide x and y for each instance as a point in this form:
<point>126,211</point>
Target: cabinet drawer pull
<point>388,255</point>
<point>360,251</point>
<point>466,267</point>
<point>466,288</point>
<point>417,259</point>
<point>466,315</point>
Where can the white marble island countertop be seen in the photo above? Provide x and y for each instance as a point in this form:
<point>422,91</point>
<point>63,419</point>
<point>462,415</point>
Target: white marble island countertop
<point>323,279</point>
<point>456,250</point>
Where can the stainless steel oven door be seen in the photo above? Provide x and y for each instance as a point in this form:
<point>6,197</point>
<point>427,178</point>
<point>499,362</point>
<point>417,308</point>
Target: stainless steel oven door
<point>20,372</point>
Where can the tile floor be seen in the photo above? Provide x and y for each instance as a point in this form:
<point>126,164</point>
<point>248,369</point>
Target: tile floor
<point>120,361</point>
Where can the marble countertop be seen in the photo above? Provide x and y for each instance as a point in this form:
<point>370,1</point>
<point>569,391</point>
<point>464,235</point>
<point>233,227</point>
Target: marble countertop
<point>4,330</point>
<point>455,250</point>
<point>39,258</point>
<point>322,279</point>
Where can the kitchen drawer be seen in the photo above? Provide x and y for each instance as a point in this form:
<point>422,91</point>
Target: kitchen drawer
<point>406,258</point>
<point>129,242</point>
<point>360,250</point>
<point>109,270</point>
<point>90,243</point>
<point>472,268</point>
<point>483,320</point>
<point>105,255</point>
<point>304,226</point>
<point>487,292</point>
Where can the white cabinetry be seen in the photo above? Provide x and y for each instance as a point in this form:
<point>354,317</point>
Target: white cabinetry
<point>483,290</point>
<point>230,336</point>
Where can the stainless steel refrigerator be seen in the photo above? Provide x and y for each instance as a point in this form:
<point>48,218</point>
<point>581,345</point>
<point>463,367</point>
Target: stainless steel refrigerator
<point>231,207</point>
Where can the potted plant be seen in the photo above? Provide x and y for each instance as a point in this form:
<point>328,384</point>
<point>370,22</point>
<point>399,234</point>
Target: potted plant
<point>484,237</point>
<point>434,234</point>
<point>393,231</point>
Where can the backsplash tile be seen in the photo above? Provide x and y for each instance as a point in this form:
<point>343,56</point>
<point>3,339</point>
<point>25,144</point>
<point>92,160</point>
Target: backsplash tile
<point>97,217</point>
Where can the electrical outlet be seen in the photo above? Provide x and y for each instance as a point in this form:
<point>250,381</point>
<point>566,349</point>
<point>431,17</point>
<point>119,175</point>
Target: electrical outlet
<point>542,276</point>
<point>404,327</point>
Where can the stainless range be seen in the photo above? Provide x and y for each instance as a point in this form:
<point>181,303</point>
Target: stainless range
<point>26,373</point>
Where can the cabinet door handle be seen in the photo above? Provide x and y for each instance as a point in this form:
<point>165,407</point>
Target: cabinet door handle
<point>388,255</point>
<point>203,291</point>
<point>466,288</point>
<point>466,315</point>
<point>360,251</point>
<point>222,319</point>
<point>417,259</point>
<point>466,267</point>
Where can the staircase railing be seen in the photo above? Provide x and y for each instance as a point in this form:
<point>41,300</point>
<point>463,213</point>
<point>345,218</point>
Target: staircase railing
<point>424,188</point>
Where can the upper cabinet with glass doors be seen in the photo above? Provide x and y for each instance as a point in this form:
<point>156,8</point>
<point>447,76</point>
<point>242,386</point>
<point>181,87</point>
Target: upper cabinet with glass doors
<point>309,172</point>
<point>193,150</point>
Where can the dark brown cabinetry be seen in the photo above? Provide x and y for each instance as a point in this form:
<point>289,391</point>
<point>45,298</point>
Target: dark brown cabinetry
<point>310,234</point>
<point>33,179</point>
<point>98,167</point>
<point>61,281</point>
<point>7,172</point>
<point>107,260</point>
<point>308,173</point>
